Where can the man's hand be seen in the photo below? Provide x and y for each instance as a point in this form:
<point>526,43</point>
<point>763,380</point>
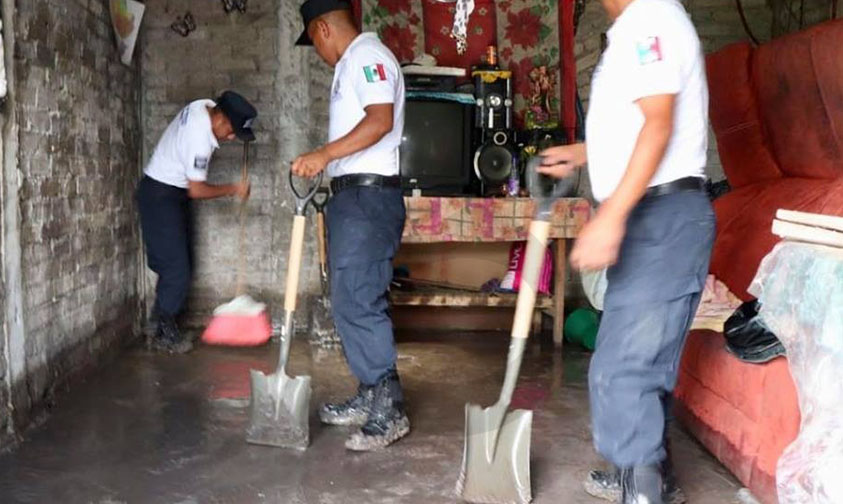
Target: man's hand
<point>559,162</point>
<point>311,164</point>
<point>599,243</point>
<point>243,190</point>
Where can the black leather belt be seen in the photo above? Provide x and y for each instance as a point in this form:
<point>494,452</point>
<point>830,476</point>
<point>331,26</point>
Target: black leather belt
<point>686,184</point>
<point>363,180</point>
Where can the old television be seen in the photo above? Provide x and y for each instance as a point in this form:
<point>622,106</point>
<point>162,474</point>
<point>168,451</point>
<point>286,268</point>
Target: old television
<point>437,147</point>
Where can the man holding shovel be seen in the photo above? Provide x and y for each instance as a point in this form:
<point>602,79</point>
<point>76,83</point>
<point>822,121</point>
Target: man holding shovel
<point>646,147</point>
<point>365,215</point>
<point>177,173</point>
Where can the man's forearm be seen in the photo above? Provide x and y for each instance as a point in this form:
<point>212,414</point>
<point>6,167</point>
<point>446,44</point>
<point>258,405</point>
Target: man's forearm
<point>367,133</point>
<point>202,190</point>
<point>646,157</point>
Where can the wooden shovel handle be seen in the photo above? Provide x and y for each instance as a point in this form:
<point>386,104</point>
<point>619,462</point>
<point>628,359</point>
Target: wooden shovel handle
<point>536,249</point>
<point>294,263</point>
<point>320,231</point>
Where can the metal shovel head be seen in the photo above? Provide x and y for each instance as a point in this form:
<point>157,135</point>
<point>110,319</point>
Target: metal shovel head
<point>496,456</point>
<point>279,410</point>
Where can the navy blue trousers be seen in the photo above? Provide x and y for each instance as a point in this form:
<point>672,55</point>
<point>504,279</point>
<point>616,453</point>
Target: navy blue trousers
<point>652,296</point>
<point>166,225</point>
<point>364,231</point>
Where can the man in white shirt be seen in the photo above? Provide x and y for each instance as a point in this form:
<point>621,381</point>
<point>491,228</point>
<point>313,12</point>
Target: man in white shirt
<point>177,173</point>
<point>646,141</point>
<point>365,214</point>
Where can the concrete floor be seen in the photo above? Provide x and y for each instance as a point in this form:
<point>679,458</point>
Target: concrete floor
<point>169,429</point>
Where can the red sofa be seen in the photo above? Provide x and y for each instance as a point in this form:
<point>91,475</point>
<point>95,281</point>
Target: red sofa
<point>777,113</point>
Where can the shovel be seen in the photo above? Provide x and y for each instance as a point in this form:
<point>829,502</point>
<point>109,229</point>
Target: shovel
<point>496,456</point>
<point>322,331</point>
<point>279,403</point>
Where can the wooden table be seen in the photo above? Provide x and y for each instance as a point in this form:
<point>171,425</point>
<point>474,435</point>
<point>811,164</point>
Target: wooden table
<point>437,220</point>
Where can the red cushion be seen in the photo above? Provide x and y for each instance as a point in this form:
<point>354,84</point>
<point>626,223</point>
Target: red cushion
<point>745,414</point>
<point>793,98</point>
<point>745,216</point>
<point>438,21</point>
<point>734,117</point>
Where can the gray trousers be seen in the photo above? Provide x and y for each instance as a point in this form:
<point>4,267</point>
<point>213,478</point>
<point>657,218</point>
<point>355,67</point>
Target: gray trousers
<point>652,295</point>
<point>364,231</point>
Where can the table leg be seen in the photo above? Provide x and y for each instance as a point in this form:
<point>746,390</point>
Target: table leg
<point>559,275</point>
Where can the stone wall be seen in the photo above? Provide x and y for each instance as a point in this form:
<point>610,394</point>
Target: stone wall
<point>71,241</point>
<point>251,53</point>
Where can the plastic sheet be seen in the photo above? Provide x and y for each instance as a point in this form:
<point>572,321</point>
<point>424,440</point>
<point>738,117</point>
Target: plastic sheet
<point>800,287</point>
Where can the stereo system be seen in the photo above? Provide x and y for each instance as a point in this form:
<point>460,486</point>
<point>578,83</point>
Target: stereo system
<point>493,155</point>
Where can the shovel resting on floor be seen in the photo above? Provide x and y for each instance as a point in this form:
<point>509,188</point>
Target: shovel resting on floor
<point>279,407</point>
<point>496,456</point>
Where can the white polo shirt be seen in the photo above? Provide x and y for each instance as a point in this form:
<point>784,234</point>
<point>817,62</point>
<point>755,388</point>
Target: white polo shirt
<point>185,148</point>
<point>367,74</point>
<point>653,50</point>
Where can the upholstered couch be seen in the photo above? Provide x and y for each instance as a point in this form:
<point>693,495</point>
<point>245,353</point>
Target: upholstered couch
<point>777,113</point>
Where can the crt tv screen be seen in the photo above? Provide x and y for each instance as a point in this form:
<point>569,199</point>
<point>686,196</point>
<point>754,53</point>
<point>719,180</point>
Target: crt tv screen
<point>436,145</point>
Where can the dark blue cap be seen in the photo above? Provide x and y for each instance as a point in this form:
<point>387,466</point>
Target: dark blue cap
<point>240,113</point>
<point>312,9</point>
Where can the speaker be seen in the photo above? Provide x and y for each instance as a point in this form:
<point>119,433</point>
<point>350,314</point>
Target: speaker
<point>493,92</point>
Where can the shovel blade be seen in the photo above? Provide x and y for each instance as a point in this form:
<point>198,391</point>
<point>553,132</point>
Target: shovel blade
<point>279,410</point>
<point>496,457</point>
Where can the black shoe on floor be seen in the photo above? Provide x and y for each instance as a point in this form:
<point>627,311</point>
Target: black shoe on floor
<point>606,485</point>
<point>354,411</point>
<point>387,421</point>
<point>168,339</point>
<point>642,485</point>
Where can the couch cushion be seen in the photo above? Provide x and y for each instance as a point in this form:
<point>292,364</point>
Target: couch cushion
<point>745,156</point>
<point>794,96</point>
<point>745,414</point>
<point>745,216</point>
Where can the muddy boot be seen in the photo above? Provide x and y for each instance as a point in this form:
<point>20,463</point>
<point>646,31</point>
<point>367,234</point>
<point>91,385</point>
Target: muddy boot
<point>387,421</point>
<point>642,485</point>
<point>354,411</point>
<point>168,339</point>
<point>604,485</point>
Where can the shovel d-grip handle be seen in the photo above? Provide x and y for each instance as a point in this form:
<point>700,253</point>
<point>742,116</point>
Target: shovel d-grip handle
<point>302,200</point>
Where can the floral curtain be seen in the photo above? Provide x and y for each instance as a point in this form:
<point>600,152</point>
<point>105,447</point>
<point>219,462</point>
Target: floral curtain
<point>527,33</point>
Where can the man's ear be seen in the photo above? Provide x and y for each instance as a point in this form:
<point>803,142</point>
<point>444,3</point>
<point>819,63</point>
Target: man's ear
<point>323,27</point>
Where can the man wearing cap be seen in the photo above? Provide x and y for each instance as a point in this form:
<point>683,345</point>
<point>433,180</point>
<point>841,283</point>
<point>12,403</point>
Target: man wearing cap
<point>365,215</point>
<point>177,173</point>
<point>646,148</point>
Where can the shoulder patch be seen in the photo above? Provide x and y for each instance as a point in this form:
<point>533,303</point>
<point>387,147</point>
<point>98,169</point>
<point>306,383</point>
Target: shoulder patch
<point>374,73</point>
<point>201,163</point>
<point>649,50</point>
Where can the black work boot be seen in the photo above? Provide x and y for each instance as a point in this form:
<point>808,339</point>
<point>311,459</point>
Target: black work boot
<point>606,484</point>
<point>354,411</point>
<point>642,485</point>
<point>387,421</point>
<point>168,338</point>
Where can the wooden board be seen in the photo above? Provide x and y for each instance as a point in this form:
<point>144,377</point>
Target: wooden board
<point>461,299</point>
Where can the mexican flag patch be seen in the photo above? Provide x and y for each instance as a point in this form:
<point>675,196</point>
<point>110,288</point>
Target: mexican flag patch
<point>649,50</point>
<point>374,73</point>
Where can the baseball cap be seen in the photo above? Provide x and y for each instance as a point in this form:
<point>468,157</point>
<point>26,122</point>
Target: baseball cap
<point>312,9</point>
<point>240,113</point>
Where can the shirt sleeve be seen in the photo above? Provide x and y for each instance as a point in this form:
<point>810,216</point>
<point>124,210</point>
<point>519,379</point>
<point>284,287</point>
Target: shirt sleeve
<point>196,154</point>
<point>374,77</point>
<point>653,59</point>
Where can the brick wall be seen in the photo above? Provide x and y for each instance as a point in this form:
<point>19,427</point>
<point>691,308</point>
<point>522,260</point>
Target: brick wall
<point>251,53</point>
<point>76,137</point>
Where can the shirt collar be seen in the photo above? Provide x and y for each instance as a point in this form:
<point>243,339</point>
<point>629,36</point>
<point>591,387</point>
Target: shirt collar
<point>213,138</point>
<point>357,40</point>
<point>619,23</point>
